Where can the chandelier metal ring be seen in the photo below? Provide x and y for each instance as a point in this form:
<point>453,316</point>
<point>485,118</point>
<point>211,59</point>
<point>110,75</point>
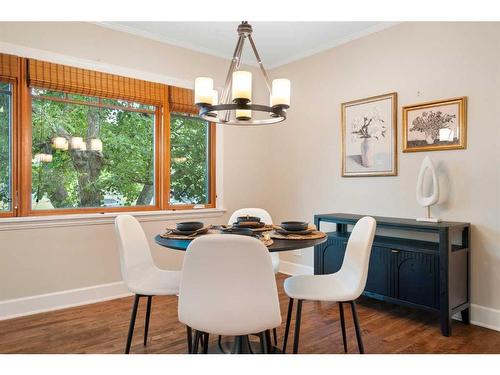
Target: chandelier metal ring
<point>239,109</point>
<point>212,113</point>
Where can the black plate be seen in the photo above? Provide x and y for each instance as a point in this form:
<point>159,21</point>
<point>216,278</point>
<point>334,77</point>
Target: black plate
<point>294,226</point>
<point>189,226</point>
<point>246,218</point>
<point>299,232</point>
<point>241,231</point>
<point>249,224</point>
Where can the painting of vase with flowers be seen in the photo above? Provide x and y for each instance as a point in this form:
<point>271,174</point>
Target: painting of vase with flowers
<point>434,126</point>
<point>369,136</point>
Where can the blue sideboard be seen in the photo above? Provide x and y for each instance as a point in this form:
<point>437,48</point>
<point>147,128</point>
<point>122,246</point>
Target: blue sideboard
<point>429,275</point>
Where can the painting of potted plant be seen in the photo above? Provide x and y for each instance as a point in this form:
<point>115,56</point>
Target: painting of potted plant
<point>439,125</point>
<point>369,136</point>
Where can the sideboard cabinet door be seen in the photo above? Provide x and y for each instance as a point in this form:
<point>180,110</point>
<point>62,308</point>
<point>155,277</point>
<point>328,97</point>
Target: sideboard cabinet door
<point>330,255</point>
<point>417,278</point>
<point>379,272</point>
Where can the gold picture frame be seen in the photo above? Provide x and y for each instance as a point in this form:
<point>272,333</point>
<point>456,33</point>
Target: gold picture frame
<point>355,136</point>
<point>438,130</point>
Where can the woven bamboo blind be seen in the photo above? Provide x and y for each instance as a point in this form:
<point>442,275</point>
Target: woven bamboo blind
<point>181,100</point>
<point>9,66</point>
<point>88,82</point>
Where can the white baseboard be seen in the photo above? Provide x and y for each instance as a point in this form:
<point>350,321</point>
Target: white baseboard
<point>483,316</point>
<point>480,315</point>
<point>289,268</point>
<point>59,300</point>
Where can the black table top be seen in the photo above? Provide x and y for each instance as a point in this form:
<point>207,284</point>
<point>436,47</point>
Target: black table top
<point>278,245</point>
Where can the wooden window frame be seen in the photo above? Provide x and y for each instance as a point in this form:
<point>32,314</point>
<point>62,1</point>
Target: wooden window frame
<point>14,128</point>
<point>22,157</point>
<point>212,195</point>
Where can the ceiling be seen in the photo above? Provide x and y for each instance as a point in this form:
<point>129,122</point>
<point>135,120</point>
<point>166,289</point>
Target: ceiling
<point>278,43</point>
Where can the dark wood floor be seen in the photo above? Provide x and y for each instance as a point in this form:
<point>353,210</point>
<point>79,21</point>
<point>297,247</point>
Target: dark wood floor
<point>102,328</point>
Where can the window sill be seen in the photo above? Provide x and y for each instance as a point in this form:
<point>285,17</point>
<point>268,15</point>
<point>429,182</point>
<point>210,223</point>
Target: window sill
<point>33,222</point>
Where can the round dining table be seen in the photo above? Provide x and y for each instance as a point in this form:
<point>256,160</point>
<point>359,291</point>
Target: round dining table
<point>278,245</point>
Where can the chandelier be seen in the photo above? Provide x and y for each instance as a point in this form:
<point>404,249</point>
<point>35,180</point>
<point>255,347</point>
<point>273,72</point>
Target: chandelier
<point>235,106</point>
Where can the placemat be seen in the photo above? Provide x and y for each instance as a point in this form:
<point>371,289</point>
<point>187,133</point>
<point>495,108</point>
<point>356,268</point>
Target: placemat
<point>201,232</point>
<point>265,228</point>
<point>266,241</point>
<point>313,236</point>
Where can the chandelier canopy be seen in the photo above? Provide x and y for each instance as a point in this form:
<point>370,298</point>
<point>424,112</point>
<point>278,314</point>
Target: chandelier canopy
<point>235,106</point>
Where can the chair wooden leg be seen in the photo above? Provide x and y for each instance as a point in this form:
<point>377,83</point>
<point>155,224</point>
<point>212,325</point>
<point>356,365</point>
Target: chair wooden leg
<point>358,329</point>
<point>342,326</point>
<point>297,327</point>
<point>189,334</point>
<point>146,325</point>
<point>196,341</point>
<point>132,324</point>
<point>287,327</point>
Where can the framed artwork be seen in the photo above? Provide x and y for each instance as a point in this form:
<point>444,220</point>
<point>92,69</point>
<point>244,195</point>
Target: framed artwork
<point>369,136</point>
<point>434,126</point>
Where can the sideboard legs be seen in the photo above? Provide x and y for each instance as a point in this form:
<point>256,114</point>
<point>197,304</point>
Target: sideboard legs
<point>465,315</point>
<point>445,325</point>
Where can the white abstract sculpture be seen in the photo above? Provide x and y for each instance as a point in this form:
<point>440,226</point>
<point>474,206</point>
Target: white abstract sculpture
<point>427,201</point>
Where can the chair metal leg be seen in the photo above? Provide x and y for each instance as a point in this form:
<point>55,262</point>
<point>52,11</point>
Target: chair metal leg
<point>205,343</point>
<point>132,323</point>
<point>196,341</point>
<point>297,327</point>
<point>148,314</point>
<point>358,329</point>
<point>237,345</point>
<point>287,327</point>
<point>275,337</point>
<point>263,343</point>
<point>342,325</point>
<point>270,347</point>
<point>189,334</point>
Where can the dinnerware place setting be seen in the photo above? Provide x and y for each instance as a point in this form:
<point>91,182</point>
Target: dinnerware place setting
<point>247,226</point>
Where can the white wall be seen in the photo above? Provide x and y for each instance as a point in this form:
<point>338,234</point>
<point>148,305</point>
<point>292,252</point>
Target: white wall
<point>48,260</point>
<point>421,62</point>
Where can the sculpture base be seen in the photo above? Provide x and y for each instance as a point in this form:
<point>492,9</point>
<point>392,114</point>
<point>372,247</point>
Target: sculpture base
<point>429,219</point>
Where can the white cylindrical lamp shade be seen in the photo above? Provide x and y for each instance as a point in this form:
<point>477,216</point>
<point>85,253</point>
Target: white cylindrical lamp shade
<point>96,144</point>
<point>243,114</point>
<point>215,97</point>
<point>203,90</point>
<point>242,85</point>
<point>280,92</point>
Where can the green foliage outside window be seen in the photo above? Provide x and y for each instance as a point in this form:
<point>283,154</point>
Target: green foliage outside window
<point>122,174</point>
<point>189,158</point>
<point>5,119</point>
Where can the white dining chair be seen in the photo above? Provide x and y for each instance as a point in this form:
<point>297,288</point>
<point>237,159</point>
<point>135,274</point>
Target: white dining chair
<point>228,288</point>
<point>344,286</point>
<point>266,218</point>
<point>141,275</point>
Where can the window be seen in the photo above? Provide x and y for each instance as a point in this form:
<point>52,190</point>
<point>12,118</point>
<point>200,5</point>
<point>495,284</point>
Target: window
<point>75,141</point>
<point>189,160</point>
<point>5,147</point>
<point>91,152</point>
